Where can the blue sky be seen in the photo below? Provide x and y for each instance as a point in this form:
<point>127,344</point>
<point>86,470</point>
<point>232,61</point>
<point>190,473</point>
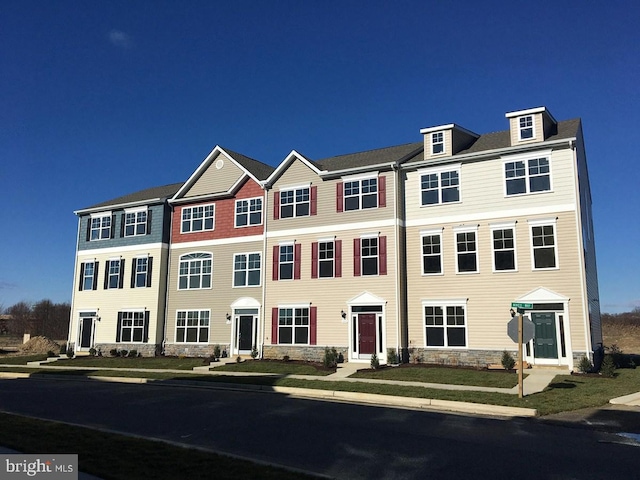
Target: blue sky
<point>100,99</point>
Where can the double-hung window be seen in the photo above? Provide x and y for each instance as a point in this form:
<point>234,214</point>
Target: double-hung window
<point>135,222</point>
<point>141,272</point>
<point>295,202</point>
<point>370,255</point>
<point>525,127</point>
<point>286,262</point>
<point>431,252</point>
<point>100,227</point>
<point>543,243</point>
<point>293,326</point>
<point>504,247</point>
<point>192,326</point>
<point>195,271</point>
<point>89,275</point>
<point>326,258</point>
<point>361,194</point>
<point>527,175</point>
<point>248,212</point>
<point>198,219</point>
<point>132,326</point>
<point>440,186</point>
<point>466,248</point>
<point>246,270</point>
<point>445,324</point>
<point>114,273</point>
<point>437,143</point>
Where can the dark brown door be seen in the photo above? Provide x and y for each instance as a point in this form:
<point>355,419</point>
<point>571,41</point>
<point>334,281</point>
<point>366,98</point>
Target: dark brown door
<point>367,333</point>
<point>245,340</point>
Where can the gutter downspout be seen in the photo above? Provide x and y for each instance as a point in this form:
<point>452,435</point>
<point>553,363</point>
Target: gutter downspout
<point>166,285</point>
<point>264,270</point>
<point>399,266</point>
<point>73,292</point>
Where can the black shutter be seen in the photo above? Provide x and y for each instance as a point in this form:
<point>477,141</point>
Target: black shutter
<point>81,281</point>
<point>95,275</point>
<point>149,222</point>
<point>149,270</point>
<point>106,274</point>
<point>119,327</point>
<point>88,229</point>
<point>121,279</point>
<point>113,226</point>
<point>122,219</point>
<point>145,331</point>
<point>133,273</point>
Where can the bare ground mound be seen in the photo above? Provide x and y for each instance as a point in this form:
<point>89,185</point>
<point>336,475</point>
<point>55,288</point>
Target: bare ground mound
<point>625,336</point>
<point>39,345</point>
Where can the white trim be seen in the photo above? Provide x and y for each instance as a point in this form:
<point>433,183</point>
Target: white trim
<point>370,235</point>
<point>233,270</point>
<point>527,156</point>
<point>503,226</point>
<point>431,233</point>
<point>466,229</point>
<point>248,200</point>
<point>209,327</point>
<point>284,164</point>
<point>520,113</point>
<point>295,305</point>
<point>360,176</point>
<point>143,208</point>
<point>439,170</point>
<point>125,249</point>
<point>537,222</point>
<point>294,187</point>
<point>332,228</point>
<point>437,128</point>
<point>203,206</point>
<point>213,243</point>
<point>106,213</point>
<point>543,222</point>
<point>187,288</point>
<point>444,303</point>
<point>327,239</point>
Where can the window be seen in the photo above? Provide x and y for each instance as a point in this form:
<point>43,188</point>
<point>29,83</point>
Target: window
<point>543,243</point>
<point>141,272</point>
<point>192,326</point>
<point>198,219</point>
<point>361,194</point>
<point>437,143</point>
<point>326,259</point>
<point>431,254</point>
<point>445,325</point>
<point>100,227</point>
<point>88,276</point>
<point>528,176</point>
<point>440,187</point>
<point>293,326</point>
<point>466,250</point>
<point>525,125</point>
<point>249,212</point>
<point>294,203</point>
<point>370,256</point>
<point>132,326</point>
<point>114,273</point>
<point>286,261</point>
<point>246,270</point>
<point>195,271</point>
<point>504,249</point>
<point>135,223</point>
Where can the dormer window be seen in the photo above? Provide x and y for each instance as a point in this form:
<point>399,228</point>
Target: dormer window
<point>526,127</point>
<point>437,143</point>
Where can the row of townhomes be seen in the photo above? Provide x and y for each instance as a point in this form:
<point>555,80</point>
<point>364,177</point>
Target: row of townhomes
<point>415,249</point>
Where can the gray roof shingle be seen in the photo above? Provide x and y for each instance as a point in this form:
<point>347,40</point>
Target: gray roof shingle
<point>165,191</point>
<point>258,169</point>
<point>371,157</point>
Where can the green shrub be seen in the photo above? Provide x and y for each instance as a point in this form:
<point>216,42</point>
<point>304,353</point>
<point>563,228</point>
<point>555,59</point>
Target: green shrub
<point>392,356</point>
<point>254,352</point>
<point>330,358</point>
<point>113,352</point>
<point>124,353</point>
<point>585,365</point>
<point>133,354</point>
<point>69,352</point>
<point>375,363</point>
<point>238,359</point>
<point>608,367</point>
<point>508,362</point>
<point>63,349</point>
<point>286,358</point>
<point>92,352</point>
<point>216,352</point>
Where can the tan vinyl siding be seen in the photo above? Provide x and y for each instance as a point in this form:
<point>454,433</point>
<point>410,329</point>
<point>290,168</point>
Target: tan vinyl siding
<point>214,180</point>
<point>448,144</point>
<point>219,297</point>
<point>490,294</point>
<point>514,128</point>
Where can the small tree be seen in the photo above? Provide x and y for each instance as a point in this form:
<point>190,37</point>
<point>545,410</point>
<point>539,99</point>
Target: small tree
<point>608,367</point>
<point>508,362</point>
<point>585,365</point>
<point>330,358</point>
<point>375,363</point>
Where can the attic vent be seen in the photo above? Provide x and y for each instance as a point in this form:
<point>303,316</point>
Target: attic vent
<point>219,164</point>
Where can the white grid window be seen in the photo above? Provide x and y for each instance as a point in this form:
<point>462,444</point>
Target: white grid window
<point>132,327</point>
<point>445,325</point>
<point>142,270</point>
<point>467,252</point>
<point>440,187</point>
<point>88,274</point>
<point>198,219</point>
<point>525,126</point>
<point>192,326</point>
<point>295,203</point>
<point>437,143</point>
<point>361,194</point>
<point>543,241</point>
<point>431,254</point>
<point>248,212</point>
<point>326,259</point>
<point>531,176</point>
<point>504,249</point>
<point>286,262</point>
<point>135,223</point>
<point>293,326</point>
<point>100,227</point>
<point>246,270</point>
<point>195,271</point>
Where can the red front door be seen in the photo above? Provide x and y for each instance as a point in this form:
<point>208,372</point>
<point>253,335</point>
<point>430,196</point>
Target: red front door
<point>367,333</point>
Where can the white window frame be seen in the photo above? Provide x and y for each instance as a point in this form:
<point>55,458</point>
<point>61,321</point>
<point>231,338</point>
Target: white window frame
<point>541,223</point>
<point>527,177</point>
<point>431,233</point>
<point>521,127</point>
<point>437,138</point>
<point>291,262</point>
<point>293,325</point>
<point>192,259</point>
<point>321,260</point>
<point>85,276</point>
<point>465,229</point>
<point>360,194</point>
<point>375,237</point>
<point>136,218</point>
<point>494,227</point>
<point>101,218</point>
<point>444,304</point>
<point>439,173</point>
<point>208,212</point>
<point>295,203</point>
<point>140,272</point>
<point>249,207</point>
<point>114,272</point>
<point>133,327</point>
<point>247,269</point>
<point>199,326</point>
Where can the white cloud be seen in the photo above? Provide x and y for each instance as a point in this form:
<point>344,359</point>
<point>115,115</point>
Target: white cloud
<point>120,39</point>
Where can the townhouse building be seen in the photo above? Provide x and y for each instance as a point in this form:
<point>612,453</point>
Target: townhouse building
<point>416,250</point>
<point>120,273</point>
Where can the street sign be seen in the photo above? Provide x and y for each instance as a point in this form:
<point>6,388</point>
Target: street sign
<point>528,329</point>
<point>521,305</point>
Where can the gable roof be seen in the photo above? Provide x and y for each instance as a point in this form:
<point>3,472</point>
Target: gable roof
<point>143,196</point>
<point>369,158</point>
<point>258,169</point>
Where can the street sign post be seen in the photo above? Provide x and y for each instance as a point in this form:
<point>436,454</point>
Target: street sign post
<point>521,305</point>
<point>521,308</point>
<point>528,329</point>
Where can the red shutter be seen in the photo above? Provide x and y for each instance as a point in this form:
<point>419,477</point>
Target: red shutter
<point>297,257</point>
<point>314,260</point>
<point>382,191</point>
<point>338,258</point>
<point>382,254</point>
<point>313,325</point>
<point>276,263</point>
<point>276,205</point>
<point>339,196</point>
<point>356,257</point>
<point>274,326</point>
<point>314,200</point>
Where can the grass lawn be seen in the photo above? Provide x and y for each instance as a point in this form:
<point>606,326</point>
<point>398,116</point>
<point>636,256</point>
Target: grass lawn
<point>170,363</point>
<point>280,368</point>
<point>113,456</point>
<point>455,376</point>
<point>21,359</point>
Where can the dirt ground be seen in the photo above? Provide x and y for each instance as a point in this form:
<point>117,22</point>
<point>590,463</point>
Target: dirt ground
<point>626,337</point>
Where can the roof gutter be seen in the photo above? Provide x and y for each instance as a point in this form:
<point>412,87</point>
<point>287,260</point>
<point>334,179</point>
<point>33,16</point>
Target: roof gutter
<point>118,205</point>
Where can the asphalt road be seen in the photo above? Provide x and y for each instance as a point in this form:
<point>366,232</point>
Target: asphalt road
<point>337,439</point>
